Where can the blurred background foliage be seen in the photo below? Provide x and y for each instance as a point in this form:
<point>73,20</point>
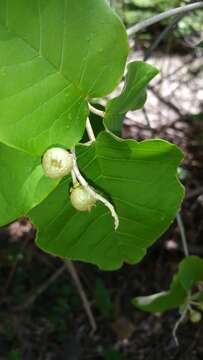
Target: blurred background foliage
<point>133,11</point>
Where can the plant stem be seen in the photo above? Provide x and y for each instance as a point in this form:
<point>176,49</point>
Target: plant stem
<point>162,35</point>
<point>74,179</point>
<point>179,322</point>
<point>157,18</point>
<point>96,111</point>
<point>182,234</point>
<point>90,131</point>
<point>42,288</point>
<point>92,192</point>
<point>73,272</point>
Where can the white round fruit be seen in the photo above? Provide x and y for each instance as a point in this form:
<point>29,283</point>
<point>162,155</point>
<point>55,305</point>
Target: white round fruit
<point>195,316</point>
<point>57,163</point>
<point>81,199</point>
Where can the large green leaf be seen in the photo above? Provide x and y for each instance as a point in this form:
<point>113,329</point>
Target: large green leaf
<point>189,274</point>
<point>54,55</point>
<point>131,174</point>
<point>132,97</point>
<point>22,184</point>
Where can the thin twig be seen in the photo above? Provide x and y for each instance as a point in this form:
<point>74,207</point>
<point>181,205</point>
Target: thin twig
<point>92,192</point>
<point>166,102</point>
<point>179,322</point>
<point>186,253</point>
<point>73,272</point>
<point>182,234</point>
<point>96,111</point>
<point>163,34</point>
<point>90,131</point>
<point>147,119</point>
<point>42,288</point>
<point>157,18</point>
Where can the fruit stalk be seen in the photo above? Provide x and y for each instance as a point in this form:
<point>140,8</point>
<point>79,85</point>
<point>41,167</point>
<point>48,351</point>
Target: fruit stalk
<point>93,193</point>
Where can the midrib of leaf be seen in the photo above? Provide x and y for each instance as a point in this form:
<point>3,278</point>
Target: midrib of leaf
<point>103,177</point>
<point>39,54</point>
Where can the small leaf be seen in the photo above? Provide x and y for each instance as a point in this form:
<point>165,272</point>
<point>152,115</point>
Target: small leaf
<point>198,117</point>
<point>132,97</point>
<point>103,299</point>
<point>200,44</point>
<point>199,298</point>
<point>22,184</point>
<point>113,355</point>
<point>191,271</point>
<point>124,171</point>
<point>163,301</point>
<point>55,55</point>
<point>189,274</point>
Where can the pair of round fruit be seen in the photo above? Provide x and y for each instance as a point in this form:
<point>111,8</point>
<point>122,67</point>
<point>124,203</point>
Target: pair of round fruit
<point>57,163</point>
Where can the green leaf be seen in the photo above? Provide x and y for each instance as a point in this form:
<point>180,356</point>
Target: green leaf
<point>199,297</point>
<point>166,300</point>
<point>22,183</point>
<point>145,3</point>
<point>124,170</point>
<point>196,117</point>
<point>200,44</point>
<point>54,55</point>
<point>132,97</point>
<point>191,271</point>
<point>113,355</point>
<point>103,299</point>
<point>189,274</point>
<point>14,355</point>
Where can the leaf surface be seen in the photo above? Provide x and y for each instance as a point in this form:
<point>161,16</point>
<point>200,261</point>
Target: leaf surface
<point>133,96</point>
<point>200,44</point>
<point>132,175</point>
<point>191,271</point>
<point>189,274</point>
<point>22,184</point>
<point>166,300</point>
<point>54,55</point>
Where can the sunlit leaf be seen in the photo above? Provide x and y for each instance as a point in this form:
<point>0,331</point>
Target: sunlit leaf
<point>124,171</point>
<point>132,97</point>
<point>54,55</point>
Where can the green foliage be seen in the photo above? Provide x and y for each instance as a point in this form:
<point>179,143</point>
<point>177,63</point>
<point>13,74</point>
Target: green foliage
<point>113,355</point>
<point>22,183</point>
<point>133,96</point>
<point>133,11</point>
<point>124,170</point>
<point>196,117</point>
<point>14,355</point>
<point>50,65</point>
<point>103,299</point>
<point>200,44</point>
<point>190,274</point>
<point>158,4</point>
<point>55,58</point>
